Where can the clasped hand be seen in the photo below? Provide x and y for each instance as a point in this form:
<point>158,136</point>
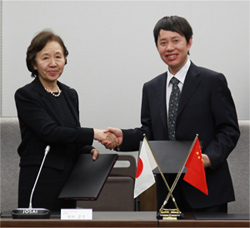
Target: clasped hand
<point>110,138</point>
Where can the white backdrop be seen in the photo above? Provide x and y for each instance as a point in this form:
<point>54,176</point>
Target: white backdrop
<point>112,51</point>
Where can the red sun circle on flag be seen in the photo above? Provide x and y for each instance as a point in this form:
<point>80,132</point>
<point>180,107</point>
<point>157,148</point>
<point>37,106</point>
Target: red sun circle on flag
<point>139,168</point>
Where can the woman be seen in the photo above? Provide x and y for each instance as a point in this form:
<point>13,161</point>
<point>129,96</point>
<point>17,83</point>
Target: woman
<point>48,115</point>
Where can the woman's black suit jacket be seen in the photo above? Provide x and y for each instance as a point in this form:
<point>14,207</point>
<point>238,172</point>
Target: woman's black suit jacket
<point>206,108</point>
<point>41,126</point>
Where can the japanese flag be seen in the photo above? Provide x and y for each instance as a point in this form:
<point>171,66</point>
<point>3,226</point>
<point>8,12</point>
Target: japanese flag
<point>144,175</point>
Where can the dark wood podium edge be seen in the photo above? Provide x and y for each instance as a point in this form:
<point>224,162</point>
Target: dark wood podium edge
<point>204,223</point>
<point>121,223</point>
<point>76,223</point>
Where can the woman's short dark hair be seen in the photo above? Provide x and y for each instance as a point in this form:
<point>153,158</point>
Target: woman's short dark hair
<point>37,44</point>
<point>174,24</point>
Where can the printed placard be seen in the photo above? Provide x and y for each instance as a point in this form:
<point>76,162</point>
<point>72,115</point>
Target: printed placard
<point>76,214</point>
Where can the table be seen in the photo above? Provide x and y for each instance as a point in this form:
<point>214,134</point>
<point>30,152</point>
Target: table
<point>124,219</point>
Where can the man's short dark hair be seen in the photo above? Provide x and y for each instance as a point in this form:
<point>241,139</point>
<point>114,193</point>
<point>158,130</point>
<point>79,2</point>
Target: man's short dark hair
<point>174,24</point>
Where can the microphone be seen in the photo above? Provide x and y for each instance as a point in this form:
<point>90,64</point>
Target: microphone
<point>33,213</point>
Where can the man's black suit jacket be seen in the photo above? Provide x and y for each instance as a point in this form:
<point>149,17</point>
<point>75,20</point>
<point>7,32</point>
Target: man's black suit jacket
<point>206,108</point>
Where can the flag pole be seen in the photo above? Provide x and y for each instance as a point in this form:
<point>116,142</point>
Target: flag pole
<point>162,175</point>
<point>179,173</point>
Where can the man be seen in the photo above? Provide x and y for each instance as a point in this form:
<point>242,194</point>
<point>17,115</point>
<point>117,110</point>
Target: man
<point>205,107</point>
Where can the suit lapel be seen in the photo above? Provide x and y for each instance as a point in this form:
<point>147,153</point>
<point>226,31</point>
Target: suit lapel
<point>38,87</point>
<point>190,85</point>
<point>70,99</point>
<point>161,97</point>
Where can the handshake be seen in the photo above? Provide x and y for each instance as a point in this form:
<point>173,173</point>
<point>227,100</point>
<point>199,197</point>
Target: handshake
<point>110,138</point>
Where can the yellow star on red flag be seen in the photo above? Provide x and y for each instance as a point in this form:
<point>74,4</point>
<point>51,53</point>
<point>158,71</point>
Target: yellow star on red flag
<point>195,174</point>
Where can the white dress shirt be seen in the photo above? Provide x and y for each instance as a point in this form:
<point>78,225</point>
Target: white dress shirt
<point>180,75</point>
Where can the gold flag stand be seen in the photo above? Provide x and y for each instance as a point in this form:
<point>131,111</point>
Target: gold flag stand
<point>175,213</point>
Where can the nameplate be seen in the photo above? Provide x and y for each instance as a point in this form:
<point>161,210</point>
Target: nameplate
<point>76,214</point>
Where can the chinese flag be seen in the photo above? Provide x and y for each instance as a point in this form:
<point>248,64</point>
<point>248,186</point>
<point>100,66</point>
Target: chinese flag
<point>195,174</point>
